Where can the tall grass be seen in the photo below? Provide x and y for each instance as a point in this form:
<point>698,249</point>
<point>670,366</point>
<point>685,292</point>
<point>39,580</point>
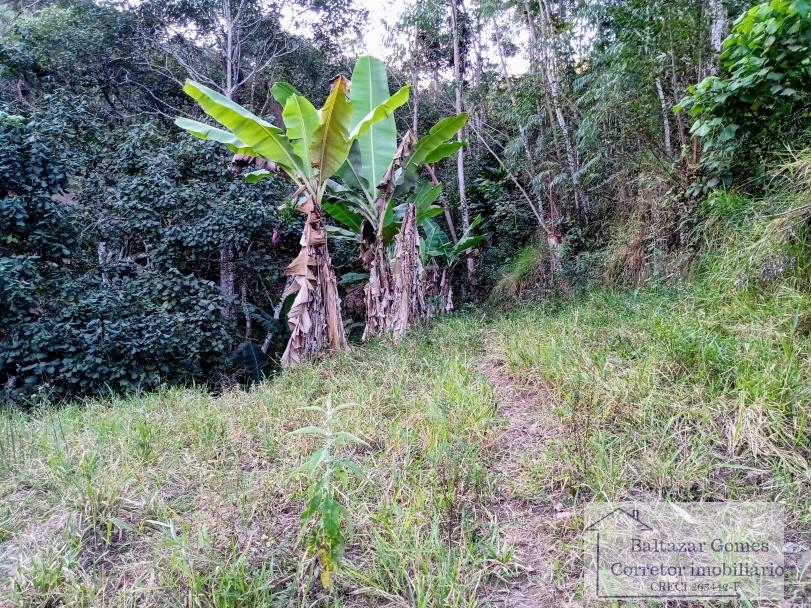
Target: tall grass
<point>179,497</point>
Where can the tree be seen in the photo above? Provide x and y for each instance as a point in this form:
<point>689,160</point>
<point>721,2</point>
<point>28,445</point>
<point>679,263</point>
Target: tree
<point>766,61</point>
<point>383,203</point>
<point>313,149</point>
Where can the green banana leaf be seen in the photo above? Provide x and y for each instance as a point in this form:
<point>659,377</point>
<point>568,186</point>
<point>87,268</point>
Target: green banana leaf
<point>281,91</point>
<point>209,133</point>
<point>376,147</point>
<point>445,150</point>
<point>301,120</point>
<point>342,212</point>
<point>331,144</point>
<point>266,139</point>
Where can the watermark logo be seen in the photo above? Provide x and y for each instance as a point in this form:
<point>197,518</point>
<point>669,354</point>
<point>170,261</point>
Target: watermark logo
<point>681,551</point>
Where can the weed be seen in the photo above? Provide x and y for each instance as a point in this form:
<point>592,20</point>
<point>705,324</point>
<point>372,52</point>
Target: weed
<point>326,523</point>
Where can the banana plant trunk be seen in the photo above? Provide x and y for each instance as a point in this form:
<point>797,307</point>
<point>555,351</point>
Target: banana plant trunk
<point>409,284</point>
<point>379,291</point>
<point>395,292</point>
<point>315,316</point>
<point>446,292</point>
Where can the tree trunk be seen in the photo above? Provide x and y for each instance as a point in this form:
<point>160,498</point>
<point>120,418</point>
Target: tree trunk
<point>315,317</point>
<point>395,293</point>
<point>227,281</point>
<point>717,28</point>
<point>415,82</point>
<point>674,83</point>
<point>665,117</point>
<point>446,291</point>
<point>548,72</point>
<point>378,292</point>
<point>459,106</point>
<point>407,271</point>
<point>246,310</point>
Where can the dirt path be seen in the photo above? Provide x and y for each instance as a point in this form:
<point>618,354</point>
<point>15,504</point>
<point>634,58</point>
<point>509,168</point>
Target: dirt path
<point>526,522</point>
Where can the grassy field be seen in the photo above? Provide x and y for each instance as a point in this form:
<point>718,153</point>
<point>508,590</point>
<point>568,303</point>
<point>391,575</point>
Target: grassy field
<point>692,392</point>
<point>183,498</point>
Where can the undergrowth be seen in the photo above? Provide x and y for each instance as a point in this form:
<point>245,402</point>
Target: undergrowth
<point>179,497</point>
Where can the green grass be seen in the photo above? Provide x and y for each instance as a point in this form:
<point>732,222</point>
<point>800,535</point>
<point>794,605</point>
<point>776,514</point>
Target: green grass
<point>180,497</point>
<point>669,395</point>
<point>689,392</point>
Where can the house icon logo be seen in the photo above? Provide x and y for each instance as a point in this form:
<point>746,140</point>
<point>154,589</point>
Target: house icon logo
<point>620,514</point>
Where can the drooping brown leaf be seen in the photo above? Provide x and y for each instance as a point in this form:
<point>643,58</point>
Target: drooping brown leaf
<point>314,318</point>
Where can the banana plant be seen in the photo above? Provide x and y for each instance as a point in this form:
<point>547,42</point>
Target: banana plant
<point>382,203</point>
<point>312,149</point>
<point>437,246</point>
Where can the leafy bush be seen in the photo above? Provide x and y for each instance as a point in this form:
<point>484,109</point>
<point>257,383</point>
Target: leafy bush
<point>767,57</point>
<point>64,329</point>
<point>152,328</point>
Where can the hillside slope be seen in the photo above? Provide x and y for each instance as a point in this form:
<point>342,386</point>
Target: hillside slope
<point>481,438</point>
<point>659,394</point>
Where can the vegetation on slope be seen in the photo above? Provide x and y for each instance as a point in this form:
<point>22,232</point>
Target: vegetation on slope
<point>181,496</point>
<point>695,391</point>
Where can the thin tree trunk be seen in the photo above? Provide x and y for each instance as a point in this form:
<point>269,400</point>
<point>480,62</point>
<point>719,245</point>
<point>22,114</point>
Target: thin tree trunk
<point>227,281</point>
<point>674,83</point>
<point>277,313</point>
<point>415,83</point>
<point>717,28</point>
<point>459,106</point>
<point>243,293</point>
<point>665,117</point>
<point>547,69</point>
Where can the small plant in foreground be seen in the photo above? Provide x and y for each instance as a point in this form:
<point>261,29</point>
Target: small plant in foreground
<point>325,522</point>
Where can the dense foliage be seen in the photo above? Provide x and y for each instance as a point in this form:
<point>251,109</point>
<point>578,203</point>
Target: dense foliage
<point>132,255</point>
<point>762,98</point>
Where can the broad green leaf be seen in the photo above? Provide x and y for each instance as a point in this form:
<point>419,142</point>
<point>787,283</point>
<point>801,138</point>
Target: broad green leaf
<point>331,145</point>
<point>426,145</point>
<point>466,243</point>
<point>343,234</point>
<point>468,240</point>
<point>381,112</point>
<point>281,91</point>
<point>445,150</point>
<point>425,195</point>
<point>377,145</point>
<point>432,211</point>
<point>257,176</point>
<point>440,133</point>
<point>209,133</point>
<point>301,120</point>
<point>265,138</point>
<point>340,211</point>
<point>435,237</point>
<point>350,171</point>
